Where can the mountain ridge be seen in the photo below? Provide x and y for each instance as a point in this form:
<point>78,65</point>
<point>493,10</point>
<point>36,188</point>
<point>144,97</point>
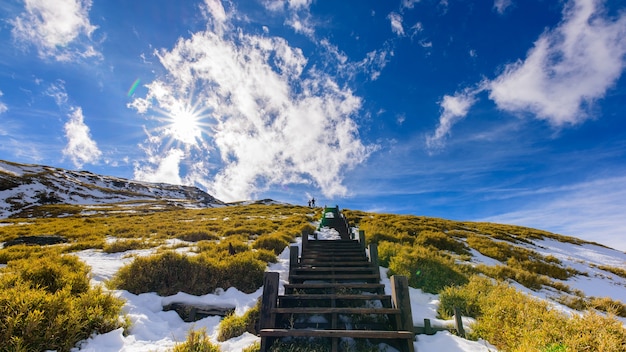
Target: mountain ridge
<point>25,187</point>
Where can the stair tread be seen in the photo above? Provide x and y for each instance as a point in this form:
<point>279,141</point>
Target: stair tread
<point>338,310</point>
<point>333,296</point>
<point>374,334</point>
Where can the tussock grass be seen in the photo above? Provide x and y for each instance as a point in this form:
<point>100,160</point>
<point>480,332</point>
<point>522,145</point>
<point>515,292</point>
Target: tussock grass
<point>47,304</point>
<point>197,341</point>
<point>233,325</point>
<point>514,321</point>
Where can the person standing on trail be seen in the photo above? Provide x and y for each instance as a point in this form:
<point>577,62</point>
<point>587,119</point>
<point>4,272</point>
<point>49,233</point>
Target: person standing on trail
<point>309,203</point>
<point>313,202</point>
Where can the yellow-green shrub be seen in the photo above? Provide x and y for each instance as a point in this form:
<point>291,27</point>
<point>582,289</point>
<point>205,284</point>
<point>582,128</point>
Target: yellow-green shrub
<point>426,269</point>
<point>255,347</point>
<point>233,325</point>
<point>272,242</point>
<point>242,271</point>
<point>196,236</point>
<point>167,274</point>
<point>127,245</point>
<point>501,272</point>
<point>387,250</point>
<point>46,305</point>
<point>53,273</point>
<point>514,321</point>
<point>197,341</point>
<point>442,241</point>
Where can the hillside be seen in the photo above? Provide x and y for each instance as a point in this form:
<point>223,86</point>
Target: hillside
<point>158,252</point>
<point>25,188</point>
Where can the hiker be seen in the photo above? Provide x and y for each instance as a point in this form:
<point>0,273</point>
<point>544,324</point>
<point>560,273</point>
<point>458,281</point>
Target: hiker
<point>313,202</point>
<point>309,203</point>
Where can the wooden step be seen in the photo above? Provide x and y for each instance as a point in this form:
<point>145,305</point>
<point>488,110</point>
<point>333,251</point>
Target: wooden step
<point>357,334</point>
<point>377,287</point>
<point>333,269</point>
<point>333,278</point>
<point>311,263</point>
<point>336,310</point>
<point>334,258</point>
<point>328,297</point>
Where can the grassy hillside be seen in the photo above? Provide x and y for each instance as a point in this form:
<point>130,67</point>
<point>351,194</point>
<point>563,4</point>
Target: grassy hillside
<point>196,251</point>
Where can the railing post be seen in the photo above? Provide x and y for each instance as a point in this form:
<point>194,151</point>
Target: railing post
<point>305,240</point>
<point>293,258</point>
<point>458,322</point>
<point>362,238</point>
<point>373,249</point>
<point>427,327</point>
<point>402,301</point>
<point>268,303</point>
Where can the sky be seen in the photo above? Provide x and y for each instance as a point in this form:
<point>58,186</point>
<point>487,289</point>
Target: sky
<point>506,111</point>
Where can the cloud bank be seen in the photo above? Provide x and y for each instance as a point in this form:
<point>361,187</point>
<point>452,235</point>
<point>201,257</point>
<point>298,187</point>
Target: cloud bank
<point>59,29</point>
<point>269,117</point>
<point>569,68</point>
<point>80,147</point>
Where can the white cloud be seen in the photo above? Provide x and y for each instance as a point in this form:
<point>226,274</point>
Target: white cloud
<point>298,15</point>
<point>408,4</point>
<point>396,24</point>
<point>80,147</point>
<point>501,5</point>
<point>455,108</point>
<point>3,107</point>
<point>273,118</point>
<point>58,93</point>
<point>216,10</point>
<point>568,68</point>
<point>590,210</point>
<point>166,168</point>
<point>59,29</point>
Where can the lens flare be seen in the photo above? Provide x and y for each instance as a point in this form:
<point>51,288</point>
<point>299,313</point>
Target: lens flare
<point>133,87</point>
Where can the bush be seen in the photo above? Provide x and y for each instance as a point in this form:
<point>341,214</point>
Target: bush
<point>440,240</point>
<point>255,347</point>
<point>196,236</point>
<point>53,273</point>
<point>466,298</point>
<point>126,245</point>
<point>425,269</point>
<point>233,326</point>
<point>387,250</point>
<point>167,274</point>
<point>271,242</point>
<point>46,305</point>
<point>514,321</point>
<point>242,271</point>
<point>197,341</point>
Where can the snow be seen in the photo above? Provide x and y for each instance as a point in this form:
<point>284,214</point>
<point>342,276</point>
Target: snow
<point>155,330</point>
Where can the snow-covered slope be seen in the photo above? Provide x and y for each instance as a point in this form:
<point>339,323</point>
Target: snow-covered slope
<point>24,187</point>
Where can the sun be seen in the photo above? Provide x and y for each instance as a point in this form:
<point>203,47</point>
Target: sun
<point>184,123</point>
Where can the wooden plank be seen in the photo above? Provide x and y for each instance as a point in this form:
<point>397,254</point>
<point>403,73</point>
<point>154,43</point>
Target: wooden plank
<point>357,334</point>
<point>268,302</point>
<point>293,258</point>
<point>334,296</point>
<point>402,301</point>
<point>338,310</point>
<point>373,249</point>
<point>458,322</point>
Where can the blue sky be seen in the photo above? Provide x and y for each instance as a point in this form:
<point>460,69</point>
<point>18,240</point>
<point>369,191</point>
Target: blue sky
<point>507,111</point>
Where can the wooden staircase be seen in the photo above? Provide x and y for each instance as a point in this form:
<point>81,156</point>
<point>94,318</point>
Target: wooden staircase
<point>334,293</point>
